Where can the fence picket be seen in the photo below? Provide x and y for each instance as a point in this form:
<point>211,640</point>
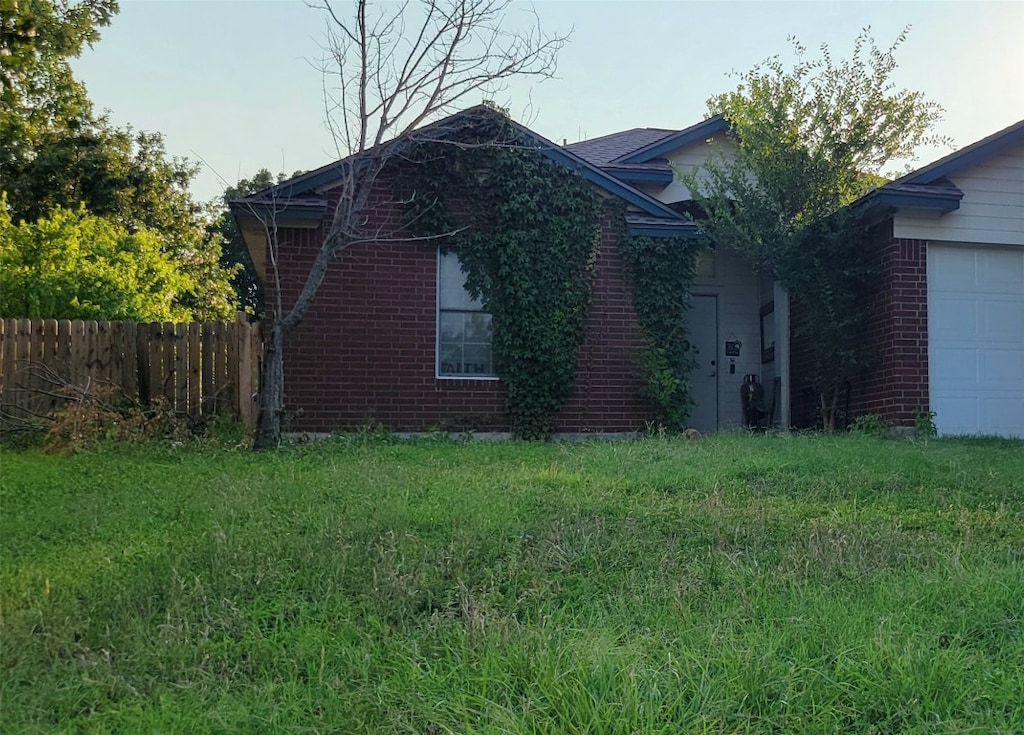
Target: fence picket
<point>154,360</point>
<point>92,331</point>
<point>77,373</point>
<point>180,368</point>
<point>218,367</point>
<point>195,336</point>
<point>9,404</point>
<point>47,371</point>
<point>31,341</point>
<point>231,355</point>
<point>129,370</point>
<point>62,356</point>
<point>206,368</point>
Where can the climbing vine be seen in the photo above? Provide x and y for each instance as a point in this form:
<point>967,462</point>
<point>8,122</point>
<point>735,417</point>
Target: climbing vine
<point>527,232</point>
<point>660,271</point>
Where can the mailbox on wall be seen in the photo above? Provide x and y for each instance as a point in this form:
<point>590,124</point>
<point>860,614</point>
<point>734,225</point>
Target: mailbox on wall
<point>732,351</point>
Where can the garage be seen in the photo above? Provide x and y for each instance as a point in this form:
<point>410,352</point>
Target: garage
<point>976,338</point>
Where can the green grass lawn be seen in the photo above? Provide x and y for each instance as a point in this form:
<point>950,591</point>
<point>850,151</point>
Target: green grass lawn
<point>776,584</point>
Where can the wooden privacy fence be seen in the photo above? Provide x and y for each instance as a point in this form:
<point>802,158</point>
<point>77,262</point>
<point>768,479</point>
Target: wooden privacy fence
<point>201,369</point>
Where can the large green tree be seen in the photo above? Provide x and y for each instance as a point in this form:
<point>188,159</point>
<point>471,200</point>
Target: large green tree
<point>38,92</point>
<point>810,141</point>
<point>54,153</point>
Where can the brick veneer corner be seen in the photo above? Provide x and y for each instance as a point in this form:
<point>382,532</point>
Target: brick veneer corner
<point>896,388</point>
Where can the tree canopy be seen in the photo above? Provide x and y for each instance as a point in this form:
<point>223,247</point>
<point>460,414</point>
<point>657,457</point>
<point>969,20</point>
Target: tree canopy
<point>56,157</point>
<point>39,95</point>
<point>810,141</point>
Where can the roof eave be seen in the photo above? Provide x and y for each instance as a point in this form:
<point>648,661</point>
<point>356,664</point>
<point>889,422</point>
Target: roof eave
<point>281,210</point>
<point>667,228</point>
<point>940,202</point>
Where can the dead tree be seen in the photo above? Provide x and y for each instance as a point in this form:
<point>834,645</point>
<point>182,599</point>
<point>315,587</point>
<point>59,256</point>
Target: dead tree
<point>388,70</point>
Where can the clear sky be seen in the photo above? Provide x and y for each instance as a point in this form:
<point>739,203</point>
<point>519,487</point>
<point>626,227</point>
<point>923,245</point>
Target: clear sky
<point>231,83</point>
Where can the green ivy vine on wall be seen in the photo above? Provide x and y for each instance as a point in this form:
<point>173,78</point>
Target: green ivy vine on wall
<point>527,232</point>
<point>660,271</point>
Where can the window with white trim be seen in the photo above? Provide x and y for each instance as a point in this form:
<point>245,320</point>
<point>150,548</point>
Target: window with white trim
<point>463,327</point>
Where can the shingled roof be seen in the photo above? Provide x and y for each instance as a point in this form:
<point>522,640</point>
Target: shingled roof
<point>603,150</point>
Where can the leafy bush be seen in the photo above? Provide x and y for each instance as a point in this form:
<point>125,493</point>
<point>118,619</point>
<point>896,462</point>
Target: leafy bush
<point>75,265</point>
<point>870,425</point>
<point>924,425</point>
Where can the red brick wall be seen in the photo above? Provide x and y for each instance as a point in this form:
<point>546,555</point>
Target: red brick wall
<point>366,349</point>
<point>608,381</point>
<point>896,389</point>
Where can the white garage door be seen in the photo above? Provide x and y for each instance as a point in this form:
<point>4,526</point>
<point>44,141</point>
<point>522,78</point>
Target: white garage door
<point>976,339</point>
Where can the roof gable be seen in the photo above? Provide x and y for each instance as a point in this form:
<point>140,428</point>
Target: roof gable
<point>659,148</point>
<point>929,187</point>
<point>965,157</point>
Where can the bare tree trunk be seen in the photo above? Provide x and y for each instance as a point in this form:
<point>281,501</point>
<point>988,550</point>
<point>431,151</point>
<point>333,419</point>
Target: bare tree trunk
<point>271,399</point>
<point>268,428</point>
<point>834,410</point>
<point>829,409</point>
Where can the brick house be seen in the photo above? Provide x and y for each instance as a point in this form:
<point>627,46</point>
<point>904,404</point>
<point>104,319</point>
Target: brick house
<point>394,338</point>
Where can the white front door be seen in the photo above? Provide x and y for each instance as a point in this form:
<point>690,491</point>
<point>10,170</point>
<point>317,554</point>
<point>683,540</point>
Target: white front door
<point>976,339</point>
<point>702,322</point>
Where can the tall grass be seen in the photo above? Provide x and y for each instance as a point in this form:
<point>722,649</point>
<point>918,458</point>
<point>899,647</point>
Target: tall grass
<point>733,585</point>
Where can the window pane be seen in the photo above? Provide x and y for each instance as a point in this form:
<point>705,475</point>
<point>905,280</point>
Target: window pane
<point>452,326</point>
<point>450,359</point>
<point>451,290</point>
<point>477,327</point>
<point>477,360</point>
<point>705,264</point>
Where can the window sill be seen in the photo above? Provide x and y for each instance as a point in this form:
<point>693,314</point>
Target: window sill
<point>467,377</point>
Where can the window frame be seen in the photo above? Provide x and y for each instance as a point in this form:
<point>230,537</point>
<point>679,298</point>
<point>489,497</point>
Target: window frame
<point>438,375</point>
